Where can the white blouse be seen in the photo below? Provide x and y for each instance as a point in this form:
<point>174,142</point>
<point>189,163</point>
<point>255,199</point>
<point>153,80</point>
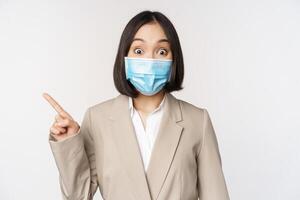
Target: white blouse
<point>146,138</point>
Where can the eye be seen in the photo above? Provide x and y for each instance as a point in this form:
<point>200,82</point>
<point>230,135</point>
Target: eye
<point>138,51</point>
<point>162,51</point>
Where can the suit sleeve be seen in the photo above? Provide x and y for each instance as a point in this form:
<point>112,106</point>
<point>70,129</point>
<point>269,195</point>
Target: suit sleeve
<point>75,160</point>
<point>211,182</point>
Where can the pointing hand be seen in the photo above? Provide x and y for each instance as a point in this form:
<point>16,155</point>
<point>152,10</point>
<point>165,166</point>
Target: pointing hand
<point>64,125</point>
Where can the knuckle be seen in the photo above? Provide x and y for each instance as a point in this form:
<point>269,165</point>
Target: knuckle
<point>55,130</point>
<point>68,121</point>
<point>57,125</point>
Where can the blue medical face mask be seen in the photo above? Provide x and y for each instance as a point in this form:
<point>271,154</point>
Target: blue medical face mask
<point>148,75</point>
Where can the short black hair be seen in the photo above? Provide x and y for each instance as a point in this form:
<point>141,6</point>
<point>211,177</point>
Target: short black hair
<point>177,73</point>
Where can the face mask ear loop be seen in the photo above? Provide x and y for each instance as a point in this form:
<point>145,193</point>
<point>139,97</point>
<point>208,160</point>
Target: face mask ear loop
<point>170,73</point>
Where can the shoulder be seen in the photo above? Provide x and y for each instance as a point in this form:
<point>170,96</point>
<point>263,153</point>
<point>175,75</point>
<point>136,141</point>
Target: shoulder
<point>193,114</point>
<point>105,104</point>
<point>102,108</point>
<point>191,109</point>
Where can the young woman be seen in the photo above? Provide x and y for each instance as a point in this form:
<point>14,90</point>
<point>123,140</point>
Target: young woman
<point>143,144</point>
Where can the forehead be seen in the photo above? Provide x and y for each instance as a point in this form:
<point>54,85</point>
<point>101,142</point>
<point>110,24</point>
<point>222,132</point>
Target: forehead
<point>151,32</point>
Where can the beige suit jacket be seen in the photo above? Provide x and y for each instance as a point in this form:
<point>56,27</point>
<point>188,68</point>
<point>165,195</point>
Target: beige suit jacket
<point>185,163</point>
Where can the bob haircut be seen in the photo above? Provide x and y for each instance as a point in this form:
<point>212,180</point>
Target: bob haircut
<point>177,72</point>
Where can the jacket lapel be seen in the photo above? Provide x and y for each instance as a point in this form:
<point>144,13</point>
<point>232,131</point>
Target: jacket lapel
<point>165,146</point>
<point>147,185</point>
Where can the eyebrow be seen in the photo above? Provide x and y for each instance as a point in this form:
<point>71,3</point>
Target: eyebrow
<point>142,40</point>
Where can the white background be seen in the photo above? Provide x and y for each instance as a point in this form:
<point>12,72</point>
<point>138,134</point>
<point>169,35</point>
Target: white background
<point>241,63</point>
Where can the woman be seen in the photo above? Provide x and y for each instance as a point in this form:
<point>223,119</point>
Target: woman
<point>143,144</point>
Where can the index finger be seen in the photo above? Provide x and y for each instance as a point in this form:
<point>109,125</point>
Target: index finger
<point>56,105</point>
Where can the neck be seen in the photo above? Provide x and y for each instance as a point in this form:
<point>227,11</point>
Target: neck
<point>147,104</point>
